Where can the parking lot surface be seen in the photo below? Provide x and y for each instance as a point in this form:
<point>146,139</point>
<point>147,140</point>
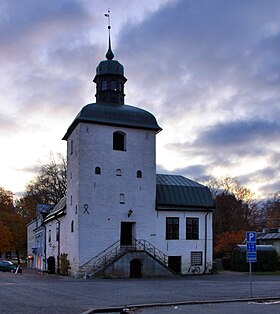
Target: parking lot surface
<point>43,293</point>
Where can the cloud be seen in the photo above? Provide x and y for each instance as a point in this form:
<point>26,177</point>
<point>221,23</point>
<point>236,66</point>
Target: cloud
<point>32,27</point>
<point>201,57</point>
<point>210,74</point>
<point>208,71</point>
<point>7,124</point>
<point>34,169</point>
<point>239,134</point>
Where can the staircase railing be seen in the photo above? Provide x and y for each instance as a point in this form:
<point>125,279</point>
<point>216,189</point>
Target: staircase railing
<point>114,251</point>
<point>101,260</point>
<point>146,246</point>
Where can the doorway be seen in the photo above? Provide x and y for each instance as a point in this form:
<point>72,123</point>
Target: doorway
<point>135,268</point>
<point>51,265</point>
<point>126,233</point>
<point>174,263</point>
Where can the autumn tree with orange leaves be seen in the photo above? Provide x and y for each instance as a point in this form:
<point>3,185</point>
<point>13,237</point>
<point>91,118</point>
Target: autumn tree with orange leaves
<point>236,211</point>
<point>12,226</point>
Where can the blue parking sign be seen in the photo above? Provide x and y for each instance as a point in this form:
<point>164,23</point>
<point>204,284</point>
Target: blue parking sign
<point>251,246</point>
<point>251,236</point>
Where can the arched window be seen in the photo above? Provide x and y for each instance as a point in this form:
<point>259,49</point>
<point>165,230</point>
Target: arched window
<point>97,170</point>
<point>139,174</point>
<point>114,85</point>
<point>104,85</point>
<point>119,141</point>
<point>72,226</point>
<point>118,172</point>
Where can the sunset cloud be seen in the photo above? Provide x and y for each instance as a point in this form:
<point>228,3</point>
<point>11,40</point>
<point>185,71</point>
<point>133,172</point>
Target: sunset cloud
<point>209,72</point>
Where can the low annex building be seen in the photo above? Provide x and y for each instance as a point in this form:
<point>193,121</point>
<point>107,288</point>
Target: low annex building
<point>119,218</point>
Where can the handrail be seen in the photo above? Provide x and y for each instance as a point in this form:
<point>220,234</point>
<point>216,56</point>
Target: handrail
<point>151,249</point>
<point>115,250</point>
<point>101,253</point>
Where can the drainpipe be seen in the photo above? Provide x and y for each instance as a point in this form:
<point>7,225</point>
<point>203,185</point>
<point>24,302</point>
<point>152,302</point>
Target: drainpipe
<point>58,247</point>
<point>205,243</point>
<point>45,249</point>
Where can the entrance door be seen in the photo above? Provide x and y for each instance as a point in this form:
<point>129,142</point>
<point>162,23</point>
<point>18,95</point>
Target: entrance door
<point>135,268</point>
<point>126,233</point>
<point>174,263</point>
<point>51,265</point>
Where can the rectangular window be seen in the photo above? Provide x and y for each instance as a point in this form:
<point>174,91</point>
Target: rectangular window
<point>172,228</point>
<point>122,198</point>
<point>71,147</point>
<point>50,236</point>
<point>192,228</point>
<point>57,231</point>
<point>196,258</point>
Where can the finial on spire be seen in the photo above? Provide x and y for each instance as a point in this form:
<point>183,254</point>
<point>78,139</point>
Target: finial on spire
<point>109,54</point>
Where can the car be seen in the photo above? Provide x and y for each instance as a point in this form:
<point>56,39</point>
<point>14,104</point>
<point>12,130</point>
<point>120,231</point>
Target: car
<point>9,266</point>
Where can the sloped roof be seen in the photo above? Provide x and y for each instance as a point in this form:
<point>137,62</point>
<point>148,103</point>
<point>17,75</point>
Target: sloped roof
<point>268,236</point>
<point>58,210</point>
<point>179,193</point>
<point>116,115</point>
<point>243,248</point>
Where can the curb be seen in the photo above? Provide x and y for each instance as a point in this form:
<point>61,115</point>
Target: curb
<point>127,308</point>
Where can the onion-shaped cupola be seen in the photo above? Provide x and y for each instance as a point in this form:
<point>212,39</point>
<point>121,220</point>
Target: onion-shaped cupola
<point>110,79</point>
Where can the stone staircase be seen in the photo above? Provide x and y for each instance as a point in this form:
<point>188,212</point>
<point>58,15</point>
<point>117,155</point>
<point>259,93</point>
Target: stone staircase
<point>115,251</point>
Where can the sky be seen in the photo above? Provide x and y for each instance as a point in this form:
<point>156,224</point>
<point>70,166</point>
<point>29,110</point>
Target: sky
<point>209,70</point>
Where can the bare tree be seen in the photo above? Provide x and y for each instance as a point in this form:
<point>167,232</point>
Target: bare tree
<point>273,211</point>
<point>50,184</point>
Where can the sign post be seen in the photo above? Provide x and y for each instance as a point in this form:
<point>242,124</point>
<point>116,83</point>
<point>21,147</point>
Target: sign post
<point>251,253</point>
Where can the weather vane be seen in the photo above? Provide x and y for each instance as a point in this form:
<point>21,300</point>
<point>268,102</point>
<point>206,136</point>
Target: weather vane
<point>109,54</point>
<point>109,23</point>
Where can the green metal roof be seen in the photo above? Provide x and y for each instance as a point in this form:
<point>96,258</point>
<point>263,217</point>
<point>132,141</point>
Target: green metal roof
<point>268,236</point>
<point>114,114</point>
<point>110,67</point>
<point>243,248</point>
<point>179,193</point>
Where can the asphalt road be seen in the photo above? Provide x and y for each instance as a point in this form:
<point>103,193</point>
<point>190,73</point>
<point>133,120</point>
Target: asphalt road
<point>43,293</point>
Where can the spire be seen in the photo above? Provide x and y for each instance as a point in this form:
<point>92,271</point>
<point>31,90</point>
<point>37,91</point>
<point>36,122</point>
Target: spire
<point>109,54</point>
<point>109,78</point>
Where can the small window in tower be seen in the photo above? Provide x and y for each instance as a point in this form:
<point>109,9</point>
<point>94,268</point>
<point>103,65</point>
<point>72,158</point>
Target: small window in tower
<point>97,170</point>
<point>139,174</point>
<point>119,141</point>
<point>71,147</point>
<point>118,172</point>
<point>122,198</point>
<point>104,85</point>
<point>72,226</point>
<point>114,85</point>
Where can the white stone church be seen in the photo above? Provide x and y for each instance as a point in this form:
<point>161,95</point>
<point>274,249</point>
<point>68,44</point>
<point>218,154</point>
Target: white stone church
<point>119,218</point>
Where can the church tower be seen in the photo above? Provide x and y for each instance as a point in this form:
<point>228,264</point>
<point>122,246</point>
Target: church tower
<point>111,171</point>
